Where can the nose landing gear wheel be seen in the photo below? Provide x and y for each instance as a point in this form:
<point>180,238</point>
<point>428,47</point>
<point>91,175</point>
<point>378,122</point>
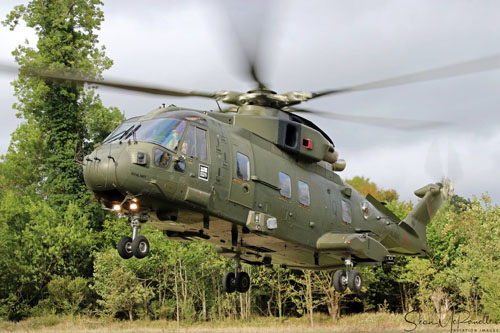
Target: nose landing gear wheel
<point>340,281</point>
<point>229,282</point>
<point>140,247</point>
<point>355,282</point>
<point>242,282</point>
<point>125,247</point>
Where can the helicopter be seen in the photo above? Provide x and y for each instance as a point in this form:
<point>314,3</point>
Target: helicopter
<point>255,179</point>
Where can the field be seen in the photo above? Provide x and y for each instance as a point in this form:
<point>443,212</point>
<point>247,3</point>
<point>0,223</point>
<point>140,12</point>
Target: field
<point>368,322</point>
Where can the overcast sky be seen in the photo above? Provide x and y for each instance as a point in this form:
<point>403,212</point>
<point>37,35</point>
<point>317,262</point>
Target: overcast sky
<point>316,45</point>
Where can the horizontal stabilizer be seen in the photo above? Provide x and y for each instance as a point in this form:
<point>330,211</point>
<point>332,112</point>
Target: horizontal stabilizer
<point>362,246</point>
<point>381,208</point>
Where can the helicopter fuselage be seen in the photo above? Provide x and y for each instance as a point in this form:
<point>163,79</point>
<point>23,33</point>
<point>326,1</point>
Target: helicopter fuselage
<point>210,178</point>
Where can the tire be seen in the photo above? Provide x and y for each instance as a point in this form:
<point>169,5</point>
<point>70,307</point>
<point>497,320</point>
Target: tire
<point>140,247</point>
<point>229,282</point>
<point>242,282</point>
<point>339,281</point>
<point>125,247</point>
<point>355,281</point>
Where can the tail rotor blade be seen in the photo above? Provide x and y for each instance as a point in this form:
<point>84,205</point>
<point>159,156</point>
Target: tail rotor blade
<point>455,171</point>
<point>434,161</point>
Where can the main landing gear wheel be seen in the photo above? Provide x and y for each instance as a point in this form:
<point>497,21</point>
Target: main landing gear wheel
<point>140,247</point>
<point>125,247</point>
<point>239,281</point>
<point>354,281</point>
<point>242,282</point>
<point>339,281</point>
<point>349,278</point>
<point>229,282</point>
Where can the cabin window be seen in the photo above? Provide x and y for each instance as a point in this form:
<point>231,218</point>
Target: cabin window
<point>304,197</point>
<point>195,143</point>
<point>161,158</point>
<point>285,185</point>
<point>346,212</point>
<point>242,166</point>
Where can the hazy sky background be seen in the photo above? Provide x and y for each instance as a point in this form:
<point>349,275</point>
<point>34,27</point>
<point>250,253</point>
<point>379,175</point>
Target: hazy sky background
<point>315,45</point>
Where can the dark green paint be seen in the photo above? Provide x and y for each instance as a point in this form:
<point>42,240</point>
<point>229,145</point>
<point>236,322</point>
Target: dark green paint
<point>339,223</point>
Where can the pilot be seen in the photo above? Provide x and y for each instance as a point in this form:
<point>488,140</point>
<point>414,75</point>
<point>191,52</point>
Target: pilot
<point>164,160</point>
<point>174,137</point>
<point>173,140</point>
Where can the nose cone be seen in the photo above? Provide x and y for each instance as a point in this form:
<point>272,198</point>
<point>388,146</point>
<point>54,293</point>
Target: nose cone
<point>99,170</point>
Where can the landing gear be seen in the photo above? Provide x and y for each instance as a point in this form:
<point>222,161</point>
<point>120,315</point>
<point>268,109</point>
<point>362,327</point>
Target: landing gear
<point>137,246</point>
<point>340,281</point>
<point>348,278</point>
<point>125,247</point>
<point>140,247</point>
<point>242,282</point>
<point>236,281</point>
<point>229,282</point>
<point>354,281</point>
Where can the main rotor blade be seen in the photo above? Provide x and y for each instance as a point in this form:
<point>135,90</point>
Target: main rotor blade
<point>118,84</point>
<point>393,123</point>
<point>248,24</point>
<point>464,68</point>
<point>8,68</point>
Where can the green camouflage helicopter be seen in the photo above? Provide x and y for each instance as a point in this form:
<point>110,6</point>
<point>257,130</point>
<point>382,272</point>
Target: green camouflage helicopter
<point>257,180</point>
<point>259,183</point>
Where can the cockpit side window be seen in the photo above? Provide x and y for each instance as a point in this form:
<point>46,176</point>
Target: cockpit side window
<point>173,138</point>
<point>195,143</point>
<point>201,144</point>
<point>189,144</point>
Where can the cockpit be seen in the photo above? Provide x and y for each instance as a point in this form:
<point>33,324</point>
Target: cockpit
<point>167,130</point>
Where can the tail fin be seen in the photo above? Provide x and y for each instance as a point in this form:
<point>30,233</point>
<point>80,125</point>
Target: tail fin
<point>432,197</point>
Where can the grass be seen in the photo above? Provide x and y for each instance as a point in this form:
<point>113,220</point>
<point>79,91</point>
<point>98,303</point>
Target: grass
<point>367,322</point>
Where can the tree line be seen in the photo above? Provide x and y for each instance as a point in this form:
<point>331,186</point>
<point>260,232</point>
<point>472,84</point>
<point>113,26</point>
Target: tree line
<point>59,247</point>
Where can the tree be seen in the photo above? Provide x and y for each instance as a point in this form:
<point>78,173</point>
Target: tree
<point>365,186</point>
<point>119,286</point>
<point>63,115</point>
<point>49,224</point>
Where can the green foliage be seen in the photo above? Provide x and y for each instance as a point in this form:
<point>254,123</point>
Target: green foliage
<point>49,224</point>
<point>39,245</point>
<point>66,296</point>
<point>365,186</point>
<point>61,116</point>
<point>118,286</point>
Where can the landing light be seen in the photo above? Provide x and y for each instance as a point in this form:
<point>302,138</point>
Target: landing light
<point>117,207</point>
<point>133,206</point>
